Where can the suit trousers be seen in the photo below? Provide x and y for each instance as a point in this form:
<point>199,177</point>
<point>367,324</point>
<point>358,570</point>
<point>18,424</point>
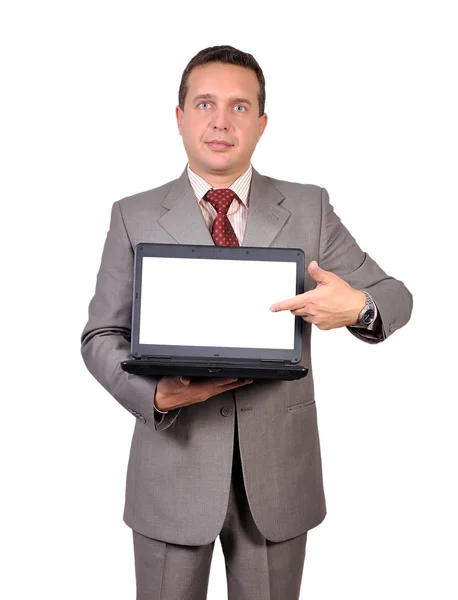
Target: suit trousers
<point>256,568</point>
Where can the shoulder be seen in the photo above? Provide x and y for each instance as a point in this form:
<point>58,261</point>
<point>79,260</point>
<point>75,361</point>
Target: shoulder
<point>147,200</point>
<point>297,192</point>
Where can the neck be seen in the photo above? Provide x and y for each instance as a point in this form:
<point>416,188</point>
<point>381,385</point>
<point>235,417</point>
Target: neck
<point>218,180</point>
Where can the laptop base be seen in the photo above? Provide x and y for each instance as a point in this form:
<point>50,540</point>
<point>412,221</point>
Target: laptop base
<point>277,371</point>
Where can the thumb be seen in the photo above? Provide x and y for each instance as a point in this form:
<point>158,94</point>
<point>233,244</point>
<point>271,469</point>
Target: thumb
<point>185,380</point>
<point>318,274</point>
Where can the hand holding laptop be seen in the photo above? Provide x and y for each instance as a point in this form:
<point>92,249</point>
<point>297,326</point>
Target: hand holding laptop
<point>175,392</point>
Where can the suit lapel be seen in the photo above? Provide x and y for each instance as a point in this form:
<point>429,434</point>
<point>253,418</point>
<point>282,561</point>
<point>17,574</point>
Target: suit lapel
<point>184,220</point>
<point>266,216</point>
<point>185,223</point>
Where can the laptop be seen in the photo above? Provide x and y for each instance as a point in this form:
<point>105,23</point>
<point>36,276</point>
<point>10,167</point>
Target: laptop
<point>204,311</point>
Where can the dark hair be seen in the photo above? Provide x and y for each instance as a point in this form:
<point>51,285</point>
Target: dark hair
<point>228,55</point>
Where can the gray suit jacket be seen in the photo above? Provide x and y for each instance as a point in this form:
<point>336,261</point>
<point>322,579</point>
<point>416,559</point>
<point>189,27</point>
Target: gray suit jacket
<point>179,467</point>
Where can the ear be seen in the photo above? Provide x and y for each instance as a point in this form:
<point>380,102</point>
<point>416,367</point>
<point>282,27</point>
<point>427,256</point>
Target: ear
<point>262,125</point>
<point>179,116</point>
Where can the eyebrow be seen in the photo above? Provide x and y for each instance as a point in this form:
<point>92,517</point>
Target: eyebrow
<point>211,97</point>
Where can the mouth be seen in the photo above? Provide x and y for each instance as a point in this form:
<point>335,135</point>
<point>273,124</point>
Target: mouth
<point>219,145</point>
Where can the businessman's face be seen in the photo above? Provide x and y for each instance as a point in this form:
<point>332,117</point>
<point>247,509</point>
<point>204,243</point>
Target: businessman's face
<point>221,104</point>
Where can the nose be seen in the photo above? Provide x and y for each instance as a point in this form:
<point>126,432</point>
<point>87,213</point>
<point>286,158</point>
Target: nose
<point>220,120</point>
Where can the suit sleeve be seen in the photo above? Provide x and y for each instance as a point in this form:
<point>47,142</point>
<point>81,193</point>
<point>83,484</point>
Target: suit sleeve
<point>105,340</point>
<point>340,254</point>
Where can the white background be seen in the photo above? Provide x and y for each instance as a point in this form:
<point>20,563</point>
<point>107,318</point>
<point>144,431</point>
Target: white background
<point>361,99</point>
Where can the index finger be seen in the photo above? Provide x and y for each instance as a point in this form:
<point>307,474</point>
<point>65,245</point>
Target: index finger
<point>294,303</point>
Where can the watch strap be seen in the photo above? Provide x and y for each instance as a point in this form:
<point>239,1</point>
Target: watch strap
<point>369,306</point>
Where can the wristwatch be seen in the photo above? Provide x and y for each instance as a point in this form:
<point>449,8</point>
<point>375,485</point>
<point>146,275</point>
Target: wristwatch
<point>367,315</point>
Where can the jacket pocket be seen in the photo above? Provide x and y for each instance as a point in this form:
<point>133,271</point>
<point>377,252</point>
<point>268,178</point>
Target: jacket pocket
<point>301,405</point>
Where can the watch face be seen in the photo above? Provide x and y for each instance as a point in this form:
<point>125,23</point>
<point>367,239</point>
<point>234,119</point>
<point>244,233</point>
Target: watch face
<point>368,316</point>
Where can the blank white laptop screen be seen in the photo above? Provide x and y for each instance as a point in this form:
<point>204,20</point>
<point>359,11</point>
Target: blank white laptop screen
<point>205,302</point>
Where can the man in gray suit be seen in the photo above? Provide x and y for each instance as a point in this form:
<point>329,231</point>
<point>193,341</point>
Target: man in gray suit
<point>235,459</point>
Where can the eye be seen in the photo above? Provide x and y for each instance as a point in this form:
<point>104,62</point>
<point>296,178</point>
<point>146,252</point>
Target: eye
<point>204,103</point>
<point>240,106</point>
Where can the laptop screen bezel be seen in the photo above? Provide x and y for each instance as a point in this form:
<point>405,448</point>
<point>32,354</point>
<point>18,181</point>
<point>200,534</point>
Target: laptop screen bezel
<point>214,353</point>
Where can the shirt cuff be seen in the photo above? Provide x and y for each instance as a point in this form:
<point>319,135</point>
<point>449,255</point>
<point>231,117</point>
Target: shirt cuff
<point>163,412</point>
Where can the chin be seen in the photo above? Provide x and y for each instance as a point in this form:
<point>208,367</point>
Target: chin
<point>223,164</point>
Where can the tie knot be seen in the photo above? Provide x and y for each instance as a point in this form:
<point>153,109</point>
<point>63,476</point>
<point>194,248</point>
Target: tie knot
<point>220,199</point>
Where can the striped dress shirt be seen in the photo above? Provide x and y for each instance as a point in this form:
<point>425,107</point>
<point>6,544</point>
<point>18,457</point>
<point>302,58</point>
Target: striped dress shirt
<point>237,212</point>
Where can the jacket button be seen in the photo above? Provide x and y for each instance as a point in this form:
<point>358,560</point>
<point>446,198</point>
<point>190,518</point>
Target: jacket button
<point>226,411</point>
<point>392,327</point>
<point>142,419</point>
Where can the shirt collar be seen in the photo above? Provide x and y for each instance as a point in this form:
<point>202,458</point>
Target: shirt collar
<point>241,185</point>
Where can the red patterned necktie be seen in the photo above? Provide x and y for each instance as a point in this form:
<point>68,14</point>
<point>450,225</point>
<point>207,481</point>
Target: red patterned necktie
<point>222,232</point>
